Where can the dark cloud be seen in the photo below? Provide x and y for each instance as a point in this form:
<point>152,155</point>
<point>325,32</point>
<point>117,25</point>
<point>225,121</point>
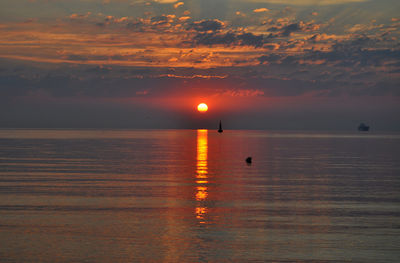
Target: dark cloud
<point>349,55</point>
<point>289,29</point>
<point>113,83</point>
<point>249,39</point>
<point>279,30</point>
<point>77,57</point>
<point>210,39</point>
<point>159,20</point>
<point>136,25</point>
<point>207,25</point>
<point>228,39</point>
<point>270,58</point>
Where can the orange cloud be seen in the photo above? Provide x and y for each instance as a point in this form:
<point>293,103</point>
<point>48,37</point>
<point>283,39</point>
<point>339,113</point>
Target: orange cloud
<point>195,76</point>
<point>77,16</point>
<point>162,41</point>
<point>178,4</point>
<point>184,18</point>
<point>260,10</point>
<point>238,13</point>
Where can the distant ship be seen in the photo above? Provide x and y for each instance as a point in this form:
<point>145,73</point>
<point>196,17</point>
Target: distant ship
<point>220,127</point>
<point>363,127</point>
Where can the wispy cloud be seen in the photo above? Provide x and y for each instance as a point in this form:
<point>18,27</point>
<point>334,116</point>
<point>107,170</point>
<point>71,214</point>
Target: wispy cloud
<point>260,10</point>
<point>178,4</point>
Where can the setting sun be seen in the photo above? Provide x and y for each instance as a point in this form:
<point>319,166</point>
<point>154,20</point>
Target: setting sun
<point>202,107</point>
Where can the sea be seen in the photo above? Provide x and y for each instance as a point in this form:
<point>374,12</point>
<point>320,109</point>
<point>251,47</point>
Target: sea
<point>190,196</point>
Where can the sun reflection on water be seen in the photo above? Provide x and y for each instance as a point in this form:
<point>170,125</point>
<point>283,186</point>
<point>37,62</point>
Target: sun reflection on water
<point>201,175</point>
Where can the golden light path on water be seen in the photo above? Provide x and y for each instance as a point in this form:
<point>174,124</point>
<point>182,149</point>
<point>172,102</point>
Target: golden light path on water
<point>201,174</point>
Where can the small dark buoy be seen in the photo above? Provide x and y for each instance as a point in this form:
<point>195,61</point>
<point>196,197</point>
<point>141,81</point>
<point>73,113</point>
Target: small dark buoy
<point>248,160</point>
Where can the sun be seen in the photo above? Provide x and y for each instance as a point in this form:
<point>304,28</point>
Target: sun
<point>202,107</point>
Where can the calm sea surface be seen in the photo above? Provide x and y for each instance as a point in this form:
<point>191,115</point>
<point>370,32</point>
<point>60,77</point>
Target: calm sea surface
<point>189,196</point>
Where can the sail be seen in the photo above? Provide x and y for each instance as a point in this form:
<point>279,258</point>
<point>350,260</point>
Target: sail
<point>220,127</point>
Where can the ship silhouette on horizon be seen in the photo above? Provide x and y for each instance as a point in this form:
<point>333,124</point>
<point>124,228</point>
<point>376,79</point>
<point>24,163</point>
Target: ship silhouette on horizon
<point>363,127</point>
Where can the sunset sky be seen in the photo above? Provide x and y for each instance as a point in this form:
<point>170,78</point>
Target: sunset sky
<point>258,64</point>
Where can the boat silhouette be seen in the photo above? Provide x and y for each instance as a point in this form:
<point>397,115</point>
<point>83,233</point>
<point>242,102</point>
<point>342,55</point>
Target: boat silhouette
<point>220,127</point>
<point>363,127</point>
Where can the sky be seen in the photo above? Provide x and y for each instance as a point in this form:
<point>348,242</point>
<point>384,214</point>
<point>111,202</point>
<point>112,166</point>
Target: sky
<point>258,64</point>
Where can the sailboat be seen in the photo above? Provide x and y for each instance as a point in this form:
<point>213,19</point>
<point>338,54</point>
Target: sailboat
<point>220,127</point>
